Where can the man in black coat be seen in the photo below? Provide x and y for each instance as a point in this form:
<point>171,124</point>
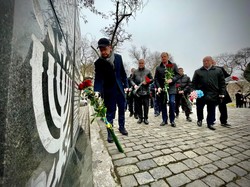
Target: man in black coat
<point>110,82</point>
<point>160,81</point>
<point>211,81</point>
<point>141,80</point>
<point>225,100</point>
<point>183,86</point>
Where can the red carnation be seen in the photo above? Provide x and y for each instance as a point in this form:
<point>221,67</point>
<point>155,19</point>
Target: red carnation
<point>147,80</point>
<point>85,84</point>
<point>177,85</point>
<point>235,78</point>
<point>169,65</point>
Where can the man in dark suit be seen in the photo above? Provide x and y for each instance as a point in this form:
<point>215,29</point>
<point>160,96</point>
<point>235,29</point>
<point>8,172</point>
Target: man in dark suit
<point>160,81</point>
<point>110,82</point>
<point>211,81</point>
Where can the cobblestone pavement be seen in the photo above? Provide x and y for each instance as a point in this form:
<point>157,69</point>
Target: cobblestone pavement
<point>186,155</point>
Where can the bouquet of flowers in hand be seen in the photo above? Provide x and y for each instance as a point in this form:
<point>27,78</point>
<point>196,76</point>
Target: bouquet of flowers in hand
<point>169,74</point>
<point>196,94</point>
<point>99,108</point>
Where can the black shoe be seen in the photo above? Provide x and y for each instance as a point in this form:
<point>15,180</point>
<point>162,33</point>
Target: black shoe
<point>189,119</point>
<point>136,117</point>
<point>199,123</point>
<point>163,123</point>
<point>139,121</point>
<point>123,131</point>
<point>146,122</point>
<point>131,114</point>
<point>173,124</point>
<point>225,125</point>
<point>110,139</point>
<point>157,115</point>
<point>211,127</point>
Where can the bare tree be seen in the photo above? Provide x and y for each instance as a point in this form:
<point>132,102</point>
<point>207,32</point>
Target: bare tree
<point>87,58</point>
<point>242,58</point>
<point>124,10</point>
<point>227,61</point>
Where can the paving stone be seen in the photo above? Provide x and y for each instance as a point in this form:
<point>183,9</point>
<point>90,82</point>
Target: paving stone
<point>248,176</point>
<point>247,152</point>
<point>179,156</point>
<point>163,160</point>
<point>146,164</point>
<point>241,156</point>
<point>125,161</point>
<point>128,169</point>
<point>245,165</point>
<point>220,146</point>
<point>178,180</point>
<point>147,150</point>
<point>231,151</point>
<point>175,149</point>
<point>210,148</point>
<point>128,181</point>
<point>160,183</point>
<point>221,154</point>
<point>195,174</point>
<point>167,151</point>
<point>231,160</point>
<point>209,168</point>
<point>220,164</point>
<point>190,154</point>
<point>127,149</point>
<point>226,175</point>
<point>212,157</point>
<point>202,160</point>
<point>200,151</point>
<point>118,156</point>
<point>144,156</point>
<point>243,182</point>
<point>129,144</point>
<point>197,183</point>
<point>160,172</point>
<point>190,163</point>
<point>156,153</point>
<point>144,178</point>
<point>177,167</point>
<point>213,181</point>
<point>137,147</point>
<point>238,171</point>
<point>232,184</point>
<point>238,148</point>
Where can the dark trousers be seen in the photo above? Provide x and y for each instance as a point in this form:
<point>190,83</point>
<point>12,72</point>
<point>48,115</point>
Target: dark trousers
<point>131,104</point>
<point>223,113</point>
<point>111,102</point>
<point>164,107</point>
<point>200,104</point>
<point>157,108</point>
<point>142,102</point>
<point>181,101</point>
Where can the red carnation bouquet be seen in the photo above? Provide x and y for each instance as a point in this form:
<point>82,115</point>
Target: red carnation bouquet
<point>99,108</point>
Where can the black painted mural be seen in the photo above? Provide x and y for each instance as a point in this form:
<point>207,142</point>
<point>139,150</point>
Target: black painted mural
<point>39,102</point>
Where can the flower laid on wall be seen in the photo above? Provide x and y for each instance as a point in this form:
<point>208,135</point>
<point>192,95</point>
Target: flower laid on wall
<point>99,108</point>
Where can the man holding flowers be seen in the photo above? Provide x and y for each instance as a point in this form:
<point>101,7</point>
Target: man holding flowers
<point>210,80</point>
<point>110,82</point>
<point>140,80</point>
<point>166,75</point>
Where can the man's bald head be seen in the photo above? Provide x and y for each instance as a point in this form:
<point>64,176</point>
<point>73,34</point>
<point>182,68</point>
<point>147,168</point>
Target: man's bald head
<point>207,61</point>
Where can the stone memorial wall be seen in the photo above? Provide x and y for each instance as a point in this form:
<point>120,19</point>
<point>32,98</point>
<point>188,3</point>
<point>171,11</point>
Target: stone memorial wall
<point>42,143</point>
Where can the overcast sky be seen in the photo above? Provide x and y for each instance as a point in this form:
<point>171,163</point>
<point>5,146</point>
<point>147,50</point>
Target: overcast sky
<point>188,29</point>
